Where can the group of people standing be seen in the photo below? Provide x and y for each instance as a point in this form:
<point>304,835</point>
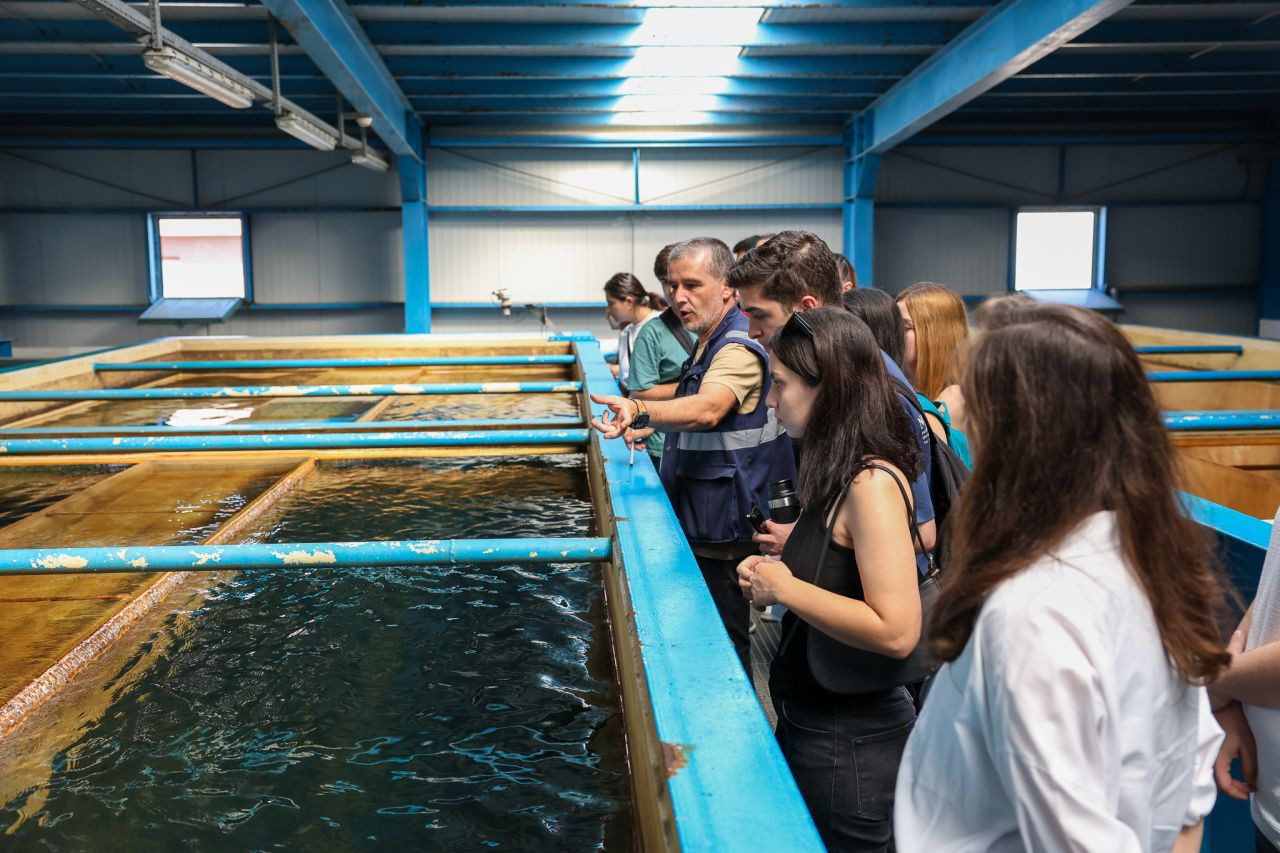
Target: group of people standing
<point>999,625</point>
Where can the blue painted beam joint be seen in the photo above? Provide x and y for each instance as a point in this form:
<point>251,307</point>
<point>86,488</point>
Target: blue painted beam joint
<point>1225,419</point>
<point>1214,376</point>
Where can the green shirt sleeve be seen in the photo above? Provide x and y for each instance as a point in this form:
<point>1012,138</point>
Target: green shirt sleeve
<point>646,358</point>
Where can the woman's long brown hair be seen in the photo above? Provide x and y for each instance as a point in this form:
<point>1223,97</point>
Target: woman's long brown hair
<point>941,325</point>
<point>1063,425</point>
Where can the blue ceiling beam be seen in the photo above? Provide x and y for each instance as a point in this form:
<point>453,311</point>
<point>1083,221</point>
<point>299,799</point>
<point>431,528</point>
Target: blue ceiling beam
<point>336,43</point>
<point>886,35</point>
<point>711,103</point>
<point>1006,40</point>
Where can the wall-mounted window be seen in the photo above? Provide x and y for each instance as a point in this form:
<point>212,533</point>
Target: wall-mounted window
<point>1058,248</point>
<point>199,256</point>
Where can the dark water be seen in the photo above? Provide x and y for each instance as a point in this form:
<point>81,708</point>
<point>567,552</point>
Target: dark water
<point>424,709</point>
<point>27,490</point>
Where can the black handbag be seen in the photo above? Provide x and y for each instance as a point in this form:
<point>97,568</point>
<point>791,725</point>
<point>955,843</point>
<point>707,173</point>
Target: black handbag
<point>840,668</point>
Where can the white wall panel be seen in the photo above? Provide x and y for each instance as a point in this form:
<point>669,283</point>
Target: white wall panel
<point>1155,247</point>
<point>164,175</point>
<point>538,257</point>
<point>534,177</point>
<point>1174,172</point>
<point>327,257</point>
<point>740,175</point>
<point>1007,175</point>
<point>307,178</point>
<point>68,259</point>
<point>1227,314</point>
<point>967,250</point>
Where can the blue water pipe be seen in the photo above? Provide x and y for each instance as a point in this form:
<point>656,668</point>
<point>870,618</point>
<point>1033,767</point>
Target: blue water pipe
<point>1191,349</point>
<point>254,427</point>
<point>1223,420</point>
<point>224,393</point>
<point>289,363</point>
<point>1214,376</point>
<point>290,441</point>
<point>301,555</point>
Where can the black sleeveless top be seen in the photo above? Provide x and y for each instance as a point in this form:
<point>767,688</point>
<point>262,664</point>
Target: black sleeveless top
<point>789,674</point>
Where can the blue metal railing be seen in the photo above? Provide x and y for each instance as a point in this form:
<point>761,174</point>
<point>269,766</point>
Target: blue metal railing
<point>255,427</point>
<point>289,363</point>
<point>1214,376</point>
<point>302,555</point>
<point>729,786</point>
<point>1224,419</point>
<point>289,441</point>
<point>1191,349</point>
<point>224,393</point>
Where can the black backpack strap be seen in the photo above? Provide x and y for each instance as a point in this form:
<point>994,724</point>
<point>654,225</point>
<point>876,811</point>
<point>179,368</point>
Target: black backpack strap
<point>672,322</point>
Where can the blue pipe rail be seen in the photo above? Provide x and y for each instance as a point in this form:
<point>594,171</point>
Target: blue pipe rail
<point>288,441</point>
<point>301,555</point>
<point>256,427</point>
<point>1214,376</point>
<point>224,393</point>
<point>1191,349</point>
<point>1225,419</point>
<point>288,363</point>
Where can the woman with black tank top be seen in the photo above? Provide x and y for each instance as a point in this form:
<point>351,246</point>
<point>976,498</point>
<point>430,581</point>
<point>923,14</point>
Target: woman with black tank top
<point>847,576</point>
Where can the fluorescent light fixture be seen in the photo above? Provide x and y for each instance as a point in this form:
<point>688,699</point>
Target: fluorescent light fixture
<point>673,86</point>
<point>370,160</point>
<point>197,75</point>
<point>698,26</point>
<point>655,119</point>
<point>683,61</point>
<point>307,131</point>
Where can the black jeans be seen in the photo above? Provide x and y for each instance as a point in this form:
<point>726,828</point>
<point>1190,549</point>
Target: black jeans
<point>1261,844</point>
<point>721,578</point>
<point>844,757</point>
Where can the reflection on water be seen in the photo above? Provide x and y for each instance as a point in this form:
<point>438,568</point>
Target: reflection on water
<point>145,412</point>
<point>27,490</point>
<point>441,708</point>
<point>452,406</point>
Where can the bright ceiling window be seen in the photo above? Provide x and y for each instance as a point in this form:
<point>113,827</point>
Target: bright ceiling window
<point>683,58</point>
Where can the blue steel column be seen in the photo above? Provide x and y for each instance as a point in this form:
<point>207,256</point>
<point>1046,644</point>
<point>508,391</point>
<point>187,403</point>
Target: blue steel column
<point>858,205</point>
<point>1269,269</point>
<point>413,222</point>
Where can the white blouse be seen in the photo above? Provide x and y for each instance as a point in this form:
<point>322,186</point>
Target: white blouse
<point>1062,726</point>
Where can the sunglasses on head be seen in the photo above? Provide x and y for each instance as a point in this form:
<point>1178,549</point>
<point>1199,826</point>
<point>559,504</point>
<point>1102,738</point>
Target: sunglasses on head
<point>797,325</point>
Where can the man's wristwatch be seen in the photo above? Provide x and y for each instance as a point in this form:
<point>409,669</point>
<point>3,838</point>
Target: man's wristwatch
<point>641,420</point>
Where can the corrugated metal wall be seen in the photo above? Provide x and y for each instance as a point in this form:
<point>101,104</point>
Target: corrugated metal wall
<point>567,257</point>
<point>72,226</point>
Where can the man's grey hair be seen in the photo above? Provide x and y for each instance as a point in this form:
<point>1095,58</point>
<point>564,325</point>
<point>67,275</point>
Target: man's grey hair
<point>719,258</point>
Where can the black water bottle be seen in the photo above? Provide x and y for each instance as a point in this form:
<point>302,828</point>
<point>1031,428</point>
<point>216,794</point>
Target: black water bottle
<point>784,508</point>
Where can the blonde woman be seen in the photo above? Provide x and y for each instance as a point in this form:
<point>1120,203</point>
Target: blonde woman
<point>936,324</point>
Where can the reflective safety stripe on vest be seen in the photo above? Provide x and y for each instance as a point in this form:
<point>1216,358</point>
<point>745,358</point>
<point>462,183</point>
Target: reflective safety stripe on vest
<point>713,477</point>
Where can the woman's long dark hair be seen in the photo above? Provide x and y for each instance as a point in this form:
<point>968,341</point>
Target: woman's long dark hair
<point>880,312</point>
<point>624,286</point>
<point>856,413</point>
<point>1064,424</point>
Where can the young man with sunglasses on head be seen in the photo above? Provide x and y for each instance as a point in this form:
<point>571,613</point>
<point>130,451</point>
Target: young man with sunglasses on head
<point>792,272</point>
<point>723,445</point>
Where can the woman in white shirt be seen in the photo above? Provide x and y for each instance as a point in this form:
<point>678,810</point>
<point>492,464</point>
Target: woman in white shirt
<point>628,306</point>
<point>1078,618</point>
